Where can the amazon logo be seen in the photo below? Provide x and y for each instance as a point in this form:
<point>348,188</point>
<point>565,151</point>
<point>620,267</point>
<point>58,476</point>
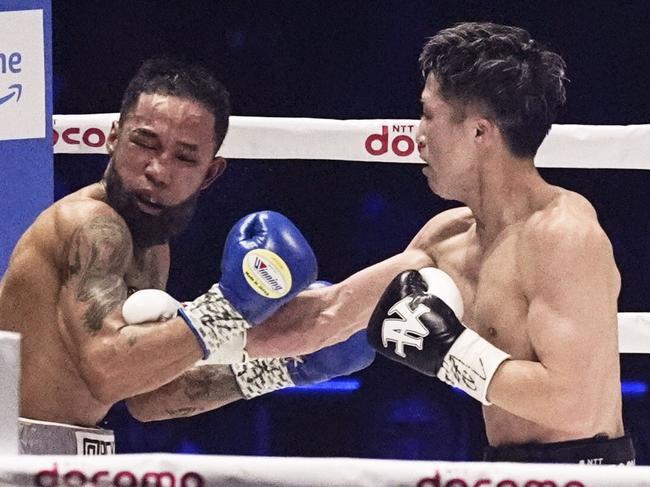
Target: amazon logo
<point>10,64</point>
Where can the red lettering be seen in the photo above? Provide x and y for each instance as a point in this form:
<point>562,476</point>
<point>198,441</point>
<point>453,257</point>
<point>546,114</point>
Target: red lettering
<point>507,483</point>
<point>133,482</point>
<point>47,478</point>
<point>92,136</point>
<point>158,476</point>
<point>482,482</point>
<point>410,145</point>
<point>195,478</point>
<point>574,483</point>
<point>402,145</point>
<point>74,477</point>
<point>101,138</point>
<point>456,483</point>
<point>96,479</point>
<point>543,483</point>
<point>67,133</point>
<point>383,141</point>
<point>430,481</point>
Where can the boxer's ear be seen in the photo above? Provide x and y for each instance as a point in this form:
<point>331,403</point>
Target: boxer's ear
<point>217,167</point>
<point>111,140</point>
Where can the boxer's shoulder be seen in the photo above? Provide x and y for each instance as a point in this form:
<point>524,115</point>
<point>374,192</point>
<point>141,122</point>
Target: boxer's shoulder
<point>567,218</point>
<point>565,236</point>
<point>444,228</point>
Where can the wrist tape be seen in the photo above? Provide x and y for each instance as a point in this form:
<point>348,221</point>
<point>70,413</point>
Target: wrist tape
<point>213,320</point>
<point>261,376</point>
<point>470,364</point>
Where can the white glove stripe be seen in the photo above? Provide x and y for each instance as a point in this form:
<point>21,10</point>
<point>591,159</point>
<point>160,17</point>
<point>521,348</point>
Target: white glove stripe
<point>470,364</point>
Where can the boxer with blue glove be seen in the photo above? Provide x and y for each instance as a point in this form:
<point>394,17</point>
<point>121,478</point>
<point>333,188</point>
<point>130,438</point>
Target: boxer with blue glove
<point>203,388</point>
<point>266,262</point>
<point>261,376</point>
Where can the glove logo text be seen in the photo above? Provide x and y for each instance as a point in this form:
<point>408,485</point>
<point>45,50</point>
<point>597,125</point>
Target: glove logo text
<point>267,273</point>
<point>408,330</point>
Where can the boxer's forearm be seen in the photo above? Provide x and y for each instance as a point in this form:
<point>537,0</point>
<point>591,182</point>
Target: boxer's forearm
<point>533,392</point>
<point>322,317</point>
<point>198,390</point>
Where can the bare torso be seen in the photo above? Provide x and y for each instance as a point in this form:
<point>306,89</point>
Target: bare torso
<point>497,307</point>
<point>52,388</point>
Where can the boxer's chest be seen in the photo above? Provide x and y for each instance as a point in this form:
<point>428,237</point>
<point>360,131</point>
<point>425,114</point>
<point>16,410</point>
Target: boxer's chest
<point>495,306</point>
<point>148,269</point>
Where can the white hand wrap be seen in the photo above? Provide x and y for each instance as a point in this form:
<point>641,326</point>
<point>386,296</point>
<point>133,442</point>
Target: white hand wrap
<point>215,322</point>
<point>261,376</point>
<point>470,364</point>
<point>219,328</point>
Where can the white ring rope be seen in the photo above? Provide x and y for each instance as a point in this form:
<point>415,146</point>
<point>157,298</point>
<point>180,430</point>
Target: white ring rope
<point>567,146</point>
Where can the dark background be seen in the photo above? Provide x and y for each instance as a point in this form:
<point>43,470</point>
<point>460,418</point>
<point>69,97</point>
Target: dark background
<point>351,59</point>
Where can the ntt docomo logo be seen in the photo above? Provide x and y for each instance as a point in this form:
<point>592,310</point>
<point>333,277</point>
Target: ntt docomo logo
<point>438,481</point>
<point>92,136</point>
<point>400,140</point>
<point>124,478</point>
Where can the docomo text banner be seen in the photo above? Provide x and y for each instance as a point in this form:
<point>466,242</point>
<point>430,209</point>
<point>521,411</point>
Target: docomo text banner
<point>567,146</point>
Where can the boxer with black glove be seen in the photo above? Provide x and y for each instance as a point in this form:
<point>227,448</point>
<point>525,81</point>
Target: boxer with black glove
<point>417,323</point>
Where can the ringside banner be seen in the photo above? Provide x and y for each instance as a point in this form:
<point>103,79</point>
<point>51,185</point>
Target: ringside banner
<point>167,470</point>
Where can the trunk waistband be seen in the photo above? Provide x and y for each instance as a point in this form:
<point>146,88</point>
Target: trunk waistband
<point>589,451</point>
<point>46,438</point>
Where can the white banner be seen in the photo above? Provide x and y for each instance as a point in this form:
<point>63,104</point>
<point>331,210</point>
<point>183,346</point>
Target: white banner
<point>568,146</point>
<point>22,75</point>
<point>198,471</point>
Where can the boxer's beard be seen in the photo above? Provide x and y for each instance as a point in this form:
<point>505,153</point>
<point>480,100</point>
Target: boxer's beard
<point>147,230</point>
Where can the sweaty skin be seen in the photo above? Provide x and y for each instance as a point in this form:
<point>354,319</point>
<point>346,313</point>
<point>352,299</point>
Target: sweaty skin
<point>74,267</point>
<point>536,272</point>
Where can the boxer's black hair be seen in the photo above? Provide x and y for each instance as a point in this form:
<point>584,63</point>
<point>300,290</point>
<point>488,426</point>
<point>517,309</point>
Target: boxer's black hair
<point>175,77</point>
<point>515,81</point>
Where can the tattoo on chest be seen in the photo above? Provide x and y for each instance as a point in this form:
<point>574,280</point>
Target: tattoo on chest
<point>99,253</point>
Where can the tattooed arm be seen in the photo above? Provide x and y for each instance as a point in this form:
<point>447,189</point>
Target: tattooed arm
<point>198,390</point>
<point>115,360</point>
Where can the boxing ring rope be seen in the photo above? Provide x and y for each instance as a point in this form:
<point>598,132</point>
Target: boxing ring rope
<point>202,470</point>
<point>389,141</point>
<point>392,141</point>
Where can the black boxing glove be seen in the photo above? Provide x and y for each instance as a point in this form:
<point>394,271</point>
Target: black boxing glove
<point>417,323</point>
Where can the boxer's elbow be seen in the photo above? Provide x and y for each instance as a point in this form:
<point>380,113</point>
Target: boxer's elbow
<point>100,369</point>
<point>139,408</point>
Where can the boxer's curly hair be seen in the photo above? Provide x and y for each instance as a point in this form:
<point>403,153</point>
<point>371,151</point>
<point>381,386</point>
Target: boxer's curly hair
<point>515,81</point>
<point>175,77</point>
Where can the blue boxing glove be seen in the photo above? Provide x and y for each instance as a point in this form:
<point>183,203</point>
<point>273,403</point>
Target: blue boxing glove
<point>261,376</point>
<point>266,262</point>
